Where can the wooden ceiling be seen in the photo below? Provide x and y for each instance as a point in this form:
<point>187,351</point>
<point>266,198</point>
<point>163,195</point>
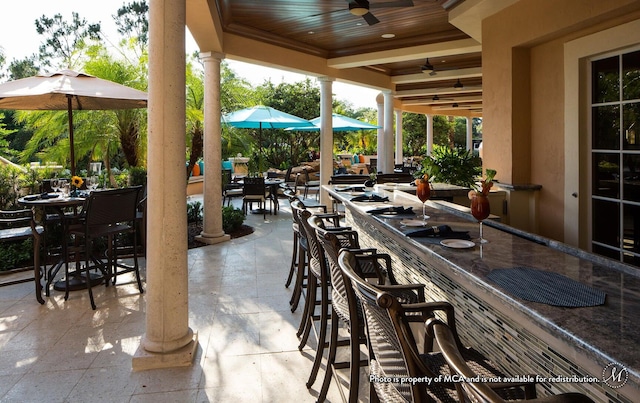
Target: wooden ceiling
<point>326,28</point>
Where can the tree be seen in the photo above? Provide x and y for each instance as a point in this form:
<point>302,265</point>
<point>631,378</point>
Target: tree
<point>129,124</point>
<point>282,148</point>
<point>5,148</point>
<point>24,68</point>
<point>63,39</point>
<point>195,115</point>
<point>132,21</point>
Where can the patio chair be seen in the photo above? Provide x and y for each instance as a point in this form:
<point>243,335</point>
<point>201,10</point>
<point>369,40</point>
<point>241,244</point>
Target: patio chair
<point>16,226</point>
<point>451,349</point>
<point>395,178</point>
<point>396,354</point>
<point>318,276</point>
<point>302,251</point>
<point>254,190</point>
<point>229,188</point>
<point>107,213</point>
<point>308,184</point>
<point>345,307</point>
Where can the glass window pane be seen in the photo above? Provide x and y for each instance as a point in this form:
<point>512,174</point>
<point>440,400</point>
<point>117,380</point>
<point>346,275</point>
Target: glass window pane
<point>606,80</point>
<point>631,172</point>
<point>631,76</point>
<point>631,124</point>
<point>631,259</point>
<point>606,127</point>
<point>631,232</point>
<point>606,222</point>
<point>606,175</point>
<point>610,253</point>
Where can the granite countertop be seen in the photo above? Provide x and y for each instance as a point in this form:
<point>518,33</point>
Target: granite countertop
<point>610,331</point>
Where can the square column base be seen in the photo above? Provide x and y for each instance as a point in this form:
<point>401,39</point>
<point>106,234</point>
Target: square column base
<point>213,240</point>
<point>183,357</point>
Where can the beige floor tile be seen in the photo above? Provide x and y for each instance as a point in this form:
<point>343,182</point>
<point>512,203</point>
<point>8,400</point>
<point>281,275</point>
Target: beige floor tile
<point>238,305</point>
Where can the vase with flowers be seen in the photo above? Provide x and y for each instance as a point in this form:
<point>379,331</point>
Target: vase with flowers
<point>76,183</point>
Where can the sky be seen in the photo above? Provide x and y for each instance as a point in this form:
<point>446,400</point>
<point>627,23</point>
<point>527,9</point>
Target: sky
<point>19,39</point>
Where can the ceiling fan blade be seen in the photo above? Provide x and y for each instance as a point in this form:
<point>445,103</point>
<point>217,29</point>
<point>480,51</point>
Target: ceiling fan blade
<point>370,19</point>
<point>398,3</point>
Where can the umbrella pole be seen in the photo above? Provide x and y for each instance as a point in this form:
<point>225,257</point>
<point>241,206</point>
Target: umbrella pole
<point>260,156</point>
<point>73,156</point>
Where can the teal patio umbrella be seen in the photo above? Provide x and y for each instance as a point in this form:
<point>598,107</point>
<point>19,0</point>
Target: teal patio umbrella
<point>259,117</point>
<point>340,123</point>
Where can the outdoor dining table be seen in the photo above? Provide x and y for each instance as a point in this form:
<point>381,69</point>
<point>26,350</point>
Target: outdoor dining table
<point>58,203</point>
<point>273,184</point>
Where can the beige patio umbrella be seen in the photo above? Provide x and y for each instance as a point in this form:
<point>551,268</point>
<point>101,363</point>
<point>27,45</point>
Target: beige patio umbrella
<point>69,90</point>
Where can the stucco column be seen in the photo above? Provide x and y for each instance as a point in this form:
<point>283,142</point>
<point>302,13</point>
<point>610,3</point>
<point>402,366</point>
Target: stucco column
<point>398,136</point>
<point>429,134</point>
<point>326,136</point>
<point>387,156</point>
<point>381,118</point>
<point>469,134</point>
<point>212,232</point>
<point>168,341</point>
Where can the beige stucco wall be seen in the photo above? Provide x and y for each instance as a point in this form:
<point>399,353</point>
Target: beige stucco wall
<point>523,81</point>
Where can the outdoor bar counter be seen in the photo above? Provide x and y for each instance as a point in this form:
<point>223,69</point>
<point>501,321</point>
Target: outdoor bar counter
<point>522,337</point>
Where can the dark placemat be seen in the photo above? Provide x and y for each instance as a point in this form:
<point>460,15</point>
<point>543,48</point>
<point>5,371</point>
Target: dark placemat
<point>435,234</point>
<point>546,287</point>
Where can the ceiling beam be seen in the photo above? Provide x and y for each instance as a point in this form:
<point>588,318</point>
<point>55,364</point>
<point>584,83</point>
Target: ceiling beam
<point>264,54</point>
<point>442,49</point>
<point>430,101</point>
<point>435,91</point>
<point>439,76</point>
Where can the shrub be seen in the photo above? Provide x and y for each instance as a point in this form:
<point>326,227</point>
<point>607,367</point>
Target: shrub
<point>232,219</point>
<point>137,176</point>
<point>455,166</point>
<point>194,212</point>
<point>16,254</point>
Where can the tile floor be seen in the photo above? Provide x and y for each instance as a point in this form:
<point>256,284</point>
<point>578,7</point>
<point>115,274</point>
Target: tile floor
<point>65,352</point>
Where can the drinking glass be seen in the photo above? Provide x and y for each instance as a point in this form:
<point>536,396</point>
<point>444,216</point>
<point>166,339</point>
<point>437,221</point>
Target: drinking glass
<point>63,184</point>
<point>423,192</point>
<point>480,209</point>
<point>55,185</point>
<point>92,182</point>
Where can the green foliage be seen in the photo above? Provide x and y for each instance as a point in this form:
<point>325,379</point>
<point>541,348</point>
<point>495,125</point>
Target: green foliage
<point>15,254</point>
<point>9,186</point>
<point>137,176</point>
<point>132,21</point>
<point>232,219</point>
<point>31,180</point>
<point>455,166</point>
<point>194,212</point>
<point>63,39</point>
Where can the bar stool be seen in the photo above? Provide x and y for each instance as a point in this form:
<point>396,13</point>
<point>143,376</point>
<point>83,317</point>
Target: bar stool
<point>344,306</point>
<point>318,275</point>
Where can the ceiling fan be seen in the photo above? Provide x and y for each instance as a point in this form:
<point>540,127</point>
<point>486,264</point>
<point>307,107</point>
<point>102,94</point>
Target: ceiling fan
<point>361,8</point>
<point>432,70</point>
<point>436,98</point>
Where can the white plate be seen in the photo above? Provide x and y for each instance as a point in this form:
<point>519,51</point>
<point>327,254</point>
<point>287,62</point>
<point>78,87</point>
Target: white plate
<point>413,223</point>
<point>457,243</point>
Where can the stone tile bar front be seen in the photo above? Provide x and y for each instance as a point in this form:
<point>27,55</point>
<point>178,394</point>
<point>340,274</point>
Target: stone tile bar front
<point>522,337</point>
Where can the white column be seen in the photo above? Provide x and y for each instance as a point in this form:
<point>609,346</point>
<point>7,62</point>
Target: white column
<point>429,134</point>
<point>212,232</point>
<point>168,341</point>
<point>381,119</point>
<point>387,156</point>
<point>398,136</point>
<point>326,136</point>
<point>469,134</point>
